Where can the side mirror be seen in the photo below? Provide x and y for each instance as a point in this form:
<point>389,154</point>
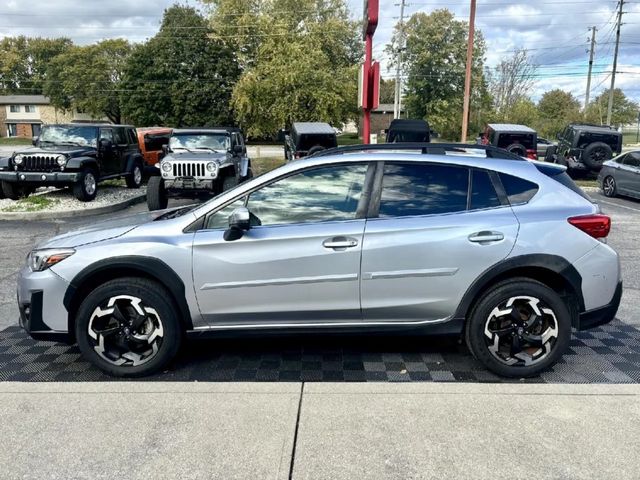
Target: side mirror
<point>165,149</point>
<point>558,137</point>
<point>34,141</point>
<point>105,144</point>
<point>238,149</point>
<point>239,222</point>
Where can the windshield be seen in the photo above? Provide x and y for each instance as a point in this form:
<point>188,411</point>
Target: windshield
<point>201,141</point>
<point>69,135</point>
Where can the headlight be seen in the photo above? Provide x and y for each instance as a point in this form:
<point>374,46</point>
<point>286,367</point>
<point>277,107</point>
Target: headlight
<point>39,260</point>
<point>166,166</point>
<point>212,167</point>
<point>62,160</point>
<point>17,159</point>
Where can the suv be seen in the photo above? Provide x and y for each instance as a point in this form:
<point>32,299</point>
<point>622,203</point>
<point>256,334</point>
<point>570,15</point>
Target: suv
<point>407,130</point>
<point>583,147</point>
<point>74,155</point>
<point>199,161</point>
<point>151,140</point>
<point>381,240</point>
<point>308,138</point>
<point>518,139</point>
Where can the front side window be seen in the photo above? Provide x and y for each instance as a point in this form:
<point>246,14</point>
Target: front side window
<point>632,159</point>
<point>422,189</point>
<point>319,195</point>
<point>120,137</point>
<point>69,135</point>
<point>106,134</point>
<point>220,219</point>
<point>219,142</point>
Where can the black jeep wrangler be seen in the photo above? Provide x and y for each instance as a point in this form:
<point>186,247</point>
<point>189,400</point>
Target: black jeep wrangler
<point>307,138</point>
<point>518,139</point>
<point>199,162</point>
<point>584,148</point>
<point>402,130</point>
<point>74,155</point>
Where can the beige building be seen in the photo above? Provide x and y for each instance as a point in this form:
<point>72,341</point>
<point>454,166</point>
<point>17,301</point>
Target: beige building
<point>24,115</point>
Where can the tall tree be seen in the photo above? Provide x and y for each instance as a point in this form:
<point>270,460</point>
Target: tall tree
<point>624,111</point>
<point>387,90</point>
<point>182,76</point>
<point>89,78</point>
<point>511,80</point>
<point>434,65</point>
<point>556,109</point>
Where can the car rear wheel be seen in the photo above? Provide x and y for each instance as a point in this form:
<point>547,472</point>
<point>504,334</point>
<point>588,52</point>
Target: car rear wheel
<point>13,191</point>
<point>134,179</point>
<point>128,327</point>
<point>157,198</point>
<point>519,328</point>
<point>609,186</point>
<point>86,187</point>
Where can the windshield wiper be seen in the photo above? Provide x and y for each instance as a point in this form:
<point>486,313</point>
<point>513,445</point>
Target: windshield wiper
<point>176,213</point>
<point>75,144</point>
<point>206,148</point>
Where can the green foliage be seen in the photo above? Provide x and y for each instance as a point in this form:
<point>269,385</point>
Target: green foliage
<point>387,91</point>
<point>556,109</point>
<point>624,111</point>
<point>434,65</point>
<point>88,78</point>
<point>180,77</point>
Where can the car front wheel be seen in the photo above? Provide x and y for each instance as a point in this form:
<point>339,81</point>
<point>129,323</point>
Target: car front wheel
<point>134,179</point>
<point>86,187</point>
<point>157,198</point>
<point>519,328</point>
<point>128,327</point>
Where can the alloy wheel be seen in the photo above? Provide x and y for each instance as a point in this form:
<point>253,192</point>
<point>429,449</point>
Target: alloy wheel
<point>521,331</point>
<point>90,183</point>
<point>609,186</point>
<point>137,175</point>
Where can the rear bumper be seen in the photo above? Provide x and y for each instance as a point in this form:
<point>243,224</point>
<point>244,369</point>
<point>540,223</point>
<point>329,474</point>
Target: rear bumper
<point>600,316</point>
<point>45,178</point>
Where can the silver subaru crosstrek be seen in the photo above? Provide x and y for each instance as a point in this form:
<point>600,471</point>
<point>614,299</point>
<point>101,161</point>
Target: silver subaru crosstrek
<point>507,253</point>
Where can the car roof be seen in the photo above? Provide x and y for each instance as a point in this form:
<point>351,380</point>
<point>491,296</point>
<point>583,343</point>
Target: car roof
<point>88,124</point>
<point>598,128</point>
<point>207,130</point>
<point>319,128</point>
<point>510,127</point>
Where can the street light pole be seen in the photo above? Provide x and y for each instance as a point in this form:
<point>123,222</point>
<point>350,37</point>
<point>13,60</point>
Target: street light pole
<point>398,88</point>
<point>615,65</point>
<point>467,77</point>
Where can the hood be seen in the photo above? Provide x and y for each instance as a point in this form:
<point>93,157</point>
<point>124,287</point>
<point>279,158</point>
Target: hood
<point>103,230</point>
<point>203,155</point>
<point>68,150</point>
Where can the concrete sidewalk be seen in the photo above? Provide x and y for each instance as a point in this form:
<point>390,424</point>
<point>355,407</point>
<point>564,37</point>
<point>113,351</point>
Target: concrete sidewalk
<point>140,430</point>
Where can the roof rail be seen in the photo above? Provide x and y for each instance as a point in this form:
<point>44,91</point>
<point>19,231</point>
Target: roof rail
<point>424,148</point>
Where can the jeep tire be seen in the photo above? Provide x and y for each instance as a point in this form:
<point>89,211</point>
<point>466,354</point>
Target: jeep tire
<point>86,187</point>
<point>550,153</point>
<point>134,179</point>
<point>157,198</point>
<point>13,191</point>
<point>595,154</point>
<point>518,149</point>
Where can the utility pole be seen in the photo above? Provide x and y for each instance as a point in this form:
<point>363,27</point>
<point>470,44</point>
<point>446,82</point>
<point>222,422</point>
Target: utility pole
<point>467,76</point>
<point>593,43</point>
<point>398,90</point>
<point>615,64</point>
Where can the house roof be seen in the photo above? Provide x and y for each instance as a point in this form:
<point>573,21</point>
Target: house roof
<point>24,100</point>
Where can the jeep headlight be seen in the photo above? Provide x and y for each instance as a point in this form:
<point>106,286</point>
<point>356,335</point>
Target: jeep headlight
<point>18,159</point>
<point>166,166</point>
<point>62,160</point>
<point>212,167</point>
<point>39,260</point>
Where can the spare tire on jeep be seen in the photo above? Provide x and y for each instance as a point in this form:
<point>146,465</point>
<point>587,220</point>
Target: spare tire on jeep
<point>595,155</point>
<point>518,149</point>
<point>550,154</point>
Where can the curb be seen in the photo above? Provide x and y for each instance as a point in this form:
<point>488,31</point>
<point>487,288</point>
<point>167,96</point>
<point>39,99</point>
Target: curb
<point>591,189</point>
<point>72,213</point>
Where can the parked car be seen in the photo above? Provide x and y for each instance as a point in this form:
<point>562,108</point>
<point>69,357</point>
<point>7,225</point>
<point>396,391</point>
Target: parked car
<point>199,161</point>
<point>151,140</point>
<point>518,139</point>
<point>308,138</point>
<point>408,130</point>
<point>621,175</point>
<point>543,145</point>
<point>74,155</point>
<point>584,148</point>
<point>374,241</point>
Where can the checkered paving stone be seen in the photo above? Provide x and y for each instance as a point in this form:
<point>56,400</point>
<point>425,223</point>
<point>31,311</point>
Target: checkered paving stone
<point>609,354</point>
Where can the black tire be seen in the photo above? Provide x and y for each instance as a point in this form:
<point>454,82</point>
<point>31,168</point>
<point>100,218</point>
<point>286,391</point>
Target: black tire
<point>609,186</point>
<point>596,154</point>
<point>1,192</point>
<point>518,149</point>
<point>86,187</point>
<point>135,177</point>
<point>229,182</point>
<point>315,149</point>
<point>157,198</point>
<point>486,316</point>
<point>135,299</point>
<point>13,191</point>
<point>550,154</point>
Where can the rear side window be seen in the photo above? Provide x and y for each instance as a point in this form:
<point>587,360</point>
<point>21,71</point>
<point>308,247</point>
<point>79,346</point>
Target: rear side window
<point>483,193</point>
<point>517,189</point>
<point>421,189</point>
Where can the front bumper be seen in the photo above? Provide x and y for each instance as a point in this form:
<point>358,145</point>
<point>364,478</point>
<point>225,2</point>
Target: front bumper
<point>600,316</point>
<point>188,184</point>
<point>40,294</point>
<point>48,178</point>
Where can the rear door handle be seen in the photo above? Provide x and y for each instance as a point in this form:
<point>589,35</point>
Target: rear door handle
<point>482,237</point>
<point>340,243</point>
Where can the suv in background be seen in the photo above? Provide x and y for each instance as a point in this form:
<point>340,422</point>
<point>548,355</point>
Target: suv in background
<point>199,161</point>
<point>151,141</point>
<point>518,139</point>
<point>307,138</point>
<point>74,155</point>
<point>584,147</point>
<point>408,130</point>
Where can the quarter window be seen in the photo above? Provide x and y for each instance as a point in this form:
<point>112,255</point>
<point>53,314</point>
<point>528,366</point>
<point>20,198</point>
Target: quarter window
<point>423,189</point>
<point>320,195</point>
<point>518,190</point>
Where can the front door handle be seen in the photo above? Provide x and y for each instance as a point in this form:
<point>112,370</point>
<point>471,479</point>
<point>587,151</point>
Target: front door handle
<point>340,243</point>
<point>482,237</point>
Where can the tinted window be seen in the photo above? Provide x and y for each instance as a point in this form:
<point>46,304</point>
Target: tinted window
<point>318,195</point>
<point>120,136</point>
<point>133,139</point>
<point>518,190</point>
<point>525,139</point>
<point>106,133</point>
<point>483,193</point>
<point>419,189</point>
<point>632,159</point>
<point>619,159</point>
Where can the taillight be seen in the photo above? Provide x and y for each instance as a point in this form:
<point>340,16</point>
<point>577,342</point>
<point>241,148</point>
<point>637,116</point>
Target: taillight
<point>596,225</point>
<point>532,154</point>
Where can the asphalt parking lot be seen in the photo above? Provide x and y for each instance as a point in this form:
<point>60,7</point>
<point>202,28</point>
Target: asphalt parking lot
<point>610,354</point>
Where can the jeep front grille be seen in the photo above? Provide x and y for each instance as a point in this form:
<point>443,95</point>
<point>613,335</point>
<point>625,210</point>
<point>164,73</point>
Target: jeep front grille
<point>188,169</point>
<point>39,163</point>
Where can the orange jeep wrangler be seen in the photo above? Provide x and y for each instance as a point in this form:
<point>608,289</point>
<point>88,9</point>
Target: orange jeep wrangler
<point>151,140</point>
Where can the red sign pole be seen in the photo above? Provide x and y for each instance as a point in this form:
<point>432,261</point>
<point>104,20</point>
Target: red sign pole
<point>369,27</point>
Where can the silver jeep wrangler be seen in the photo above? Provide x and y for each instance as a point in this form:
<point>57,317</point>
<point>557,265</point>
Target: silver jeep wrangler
<point>199,162</point>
